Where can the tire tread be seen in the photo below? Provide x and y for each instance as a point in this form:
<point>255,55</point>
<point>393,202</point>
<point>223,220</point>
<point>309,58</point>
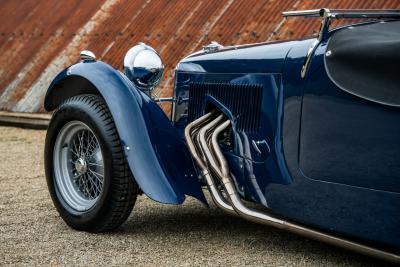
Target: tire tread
<point>124,189</point>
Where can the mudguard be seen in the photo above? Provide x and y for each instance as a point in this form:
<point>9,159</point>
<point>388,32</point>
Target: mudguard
<point>157,155</point>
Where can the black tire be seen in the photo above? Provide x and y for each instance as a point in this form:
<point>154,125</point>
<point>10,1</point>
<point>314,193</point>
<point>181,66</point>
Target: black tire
<point>120,190</point>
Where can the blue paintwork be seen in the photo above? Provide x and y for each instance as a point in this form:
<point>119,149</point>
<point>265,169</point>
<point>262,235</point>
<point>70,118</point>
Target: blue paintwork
<point>311,126</point>
<point>345,207</point>
<point>158,158</point>
<point>329,113</point>
<point>331,159</point>
<point>259,58</point>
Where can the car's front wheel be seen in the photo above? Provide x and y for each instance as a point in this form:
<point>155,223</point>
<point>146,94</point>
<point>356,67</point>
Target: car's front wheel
<point>87,174</point>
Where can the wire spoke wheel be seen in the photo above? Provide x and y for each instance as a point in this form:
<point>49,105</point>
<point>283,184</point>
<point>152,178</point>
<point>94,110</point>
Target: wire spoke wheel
<point>88,176</point>
<point>78,165</point>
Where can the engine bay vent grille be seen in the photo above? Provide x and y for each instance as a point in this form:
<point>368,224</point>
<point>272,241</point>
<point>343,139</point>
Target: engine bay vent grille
<point>243,101</point>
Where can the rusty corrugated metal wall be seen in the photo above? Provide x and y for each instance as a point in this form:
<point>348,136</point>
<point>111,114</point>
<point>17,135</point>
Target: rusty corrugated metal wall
<point>40,38</point>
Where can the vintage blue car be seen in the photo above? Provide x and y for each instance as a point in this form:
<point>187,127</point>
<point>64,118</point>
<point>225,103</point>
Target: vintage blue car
<point>303,135</point>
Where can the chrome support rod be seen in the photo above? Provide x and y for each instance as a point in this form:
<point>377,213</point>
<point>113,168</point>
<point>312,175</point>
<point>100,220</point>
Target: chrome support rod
<point>164,99</point>
<point>170,99</point>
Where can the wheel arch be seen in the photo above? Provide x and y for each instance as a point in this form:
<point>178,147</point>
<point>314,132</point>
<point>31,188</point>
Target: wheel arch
<point>66,88</point>
<point>137,119</point>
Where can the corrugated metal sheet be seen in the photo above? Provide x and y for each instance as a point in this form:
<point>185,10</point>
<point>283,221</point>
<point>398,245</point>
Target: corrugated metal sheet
<point>40,38</point>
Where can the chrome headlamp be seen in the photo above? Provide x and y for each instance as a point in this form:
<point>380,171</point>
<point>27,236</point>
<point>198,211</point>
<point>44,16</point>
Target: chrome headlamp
<point>144,67</point>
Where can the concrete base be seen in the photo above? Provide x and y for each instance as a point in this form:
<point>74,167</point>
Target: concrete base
<point>25,120</point>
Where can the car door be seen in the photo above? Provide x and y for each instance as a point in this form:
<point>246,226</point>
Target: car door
<point>350,122</point>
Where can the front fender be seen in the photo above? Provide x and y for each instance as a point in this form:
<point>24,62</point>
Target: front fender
<point>156,154</point>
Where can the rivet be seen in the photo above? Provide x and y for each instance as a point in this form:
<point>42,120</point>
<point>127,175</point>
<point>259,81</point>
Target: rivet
<point>328,53</point>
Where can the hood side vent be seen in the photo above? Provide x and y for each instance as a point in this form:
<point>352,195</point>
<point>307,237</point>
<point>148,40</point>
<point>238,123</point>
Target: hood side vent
<point>243,101</point>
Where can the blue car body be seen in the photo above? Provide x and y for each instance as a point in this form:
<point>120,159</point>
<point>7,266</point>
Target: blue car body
<point>325,157</point>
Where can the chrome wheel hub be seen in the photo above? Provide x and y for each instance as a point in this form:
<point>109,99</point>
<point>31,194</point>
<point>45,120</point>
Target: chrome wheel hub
<point>78,166</point>
<point>81,166</point>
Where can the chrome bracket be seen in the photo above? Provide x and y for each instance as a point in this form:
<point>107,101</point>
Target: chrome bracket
<point>87,55</point>
<point>325,16</point>
<point>171,99</point>
<point>212,47</point>
<point>258,144</point>
<point>323,33</point>
<point>164,99</point>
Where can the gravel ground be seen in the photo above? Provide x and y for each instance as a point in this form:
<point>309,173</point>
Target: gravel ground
<point>32,233</point>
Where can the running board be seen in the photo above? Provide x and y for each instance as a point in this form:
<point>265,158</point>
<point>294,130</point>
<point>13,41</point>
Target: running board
<point>202,139</point>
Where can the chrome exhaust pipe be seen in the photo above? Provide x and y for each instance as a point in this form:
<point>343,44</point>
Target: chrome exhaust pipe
<point>191,133</point>
<point>208,156</point>
<point>273,220</point>
<point>204,135</point>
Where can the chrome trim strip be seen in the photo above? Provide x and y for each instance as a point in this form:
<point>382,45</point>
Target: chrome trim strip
<point>345,13</point>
